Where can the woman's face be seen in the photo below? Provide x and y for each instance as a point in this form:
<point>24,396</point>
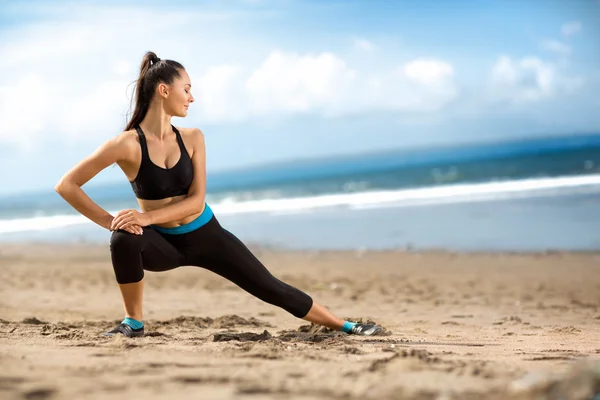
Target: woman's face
<point>179,95</point>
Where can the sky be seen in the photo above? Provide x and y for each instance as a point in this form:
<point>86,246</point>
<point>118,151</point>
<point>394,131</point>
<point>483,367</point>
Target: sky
<point>282,80</point>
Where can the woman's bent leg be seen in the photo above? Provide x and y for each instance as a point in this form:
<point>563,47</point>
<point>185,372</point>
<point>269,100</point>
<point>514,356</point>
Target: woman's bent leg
<point>133,294</point>
<point>131,255</point>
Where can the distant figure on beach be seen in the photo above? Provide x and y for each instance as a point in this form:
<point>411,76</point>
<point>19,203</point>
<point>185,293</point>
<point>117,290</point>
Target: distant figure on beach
<point>166,167</point>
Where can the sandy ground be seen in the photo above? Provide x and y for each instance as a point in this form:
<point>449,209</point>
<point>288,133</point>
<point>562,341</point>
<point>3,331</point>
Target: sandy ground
<point>457,326</point>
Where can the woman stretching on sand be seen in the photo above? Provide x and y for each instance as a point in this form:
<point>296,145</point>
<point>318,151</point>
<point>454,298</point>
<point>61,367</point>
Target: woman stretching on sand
<point>167,171</point>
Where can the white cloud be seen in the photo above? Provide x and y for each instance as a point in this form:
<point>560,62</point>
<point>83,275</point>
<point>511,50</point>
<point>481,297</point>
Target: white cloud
<point>299,83</point>
<point>323,83</point>
<point>73,78</point>
<point>35,107</point>
<point>20,110</point>
<point>423,85</point>
<point>571,28</point>
<point>557,47</point>
<point>428,71</point>
<point>217,97</point>
<point>364,44</point>
<point>528,80</point>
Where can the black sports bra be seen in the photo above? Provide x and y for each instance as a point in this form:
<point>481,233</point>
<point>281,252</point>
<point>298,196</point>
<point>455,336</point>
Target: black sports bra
<point>153,182</point>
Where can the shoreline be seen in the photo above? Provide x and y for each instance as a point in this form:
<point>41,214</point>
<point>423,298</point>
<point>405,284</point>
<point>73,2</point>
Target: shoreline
<point>354,251</point>
<point>523,226</point>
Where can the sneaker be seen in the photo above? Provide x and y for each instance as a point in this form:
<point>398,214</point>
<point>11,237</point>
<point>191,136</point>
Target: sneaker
<point>126,330</point>
<point>365,330</point>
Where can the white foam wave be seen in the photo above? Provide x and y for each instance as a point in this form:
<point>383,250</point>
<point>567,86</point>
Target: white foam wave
<point>418,196</point>
<point>370,199</point>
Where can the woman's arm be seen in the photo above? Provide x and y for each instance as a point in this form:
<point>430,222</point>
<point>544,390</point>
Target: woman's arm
<point>69,186</point>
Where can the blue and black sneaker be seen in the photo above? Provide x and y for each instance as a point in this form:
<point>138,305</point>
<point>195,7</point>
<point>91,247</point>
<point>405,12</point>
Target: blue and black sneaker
<point>126,330</point>
<point>365,330</point>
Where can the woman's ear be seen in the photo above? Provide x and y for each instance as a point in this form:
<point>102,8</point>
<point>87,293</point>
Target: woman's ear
<point>163,90</point>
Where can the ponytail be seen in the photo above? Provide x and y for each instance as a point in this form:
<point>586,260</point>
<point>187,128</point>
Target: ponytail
<point>153,71</point>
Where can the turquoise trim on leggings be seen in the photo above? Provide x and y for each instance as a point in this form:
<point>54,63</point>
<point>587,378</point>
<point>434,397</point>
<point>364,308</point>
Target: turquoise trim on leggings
<point>202,219</point>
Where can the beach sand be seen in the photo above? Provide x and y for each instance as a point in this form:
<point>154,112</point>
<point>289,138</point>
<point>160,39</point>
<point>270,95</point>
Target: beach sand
<point>457,326</point>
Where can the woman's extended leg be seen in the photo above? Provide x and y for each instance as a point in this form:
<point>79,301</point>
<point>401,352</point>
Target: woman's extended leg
<point>223,253</point>
<point>321,316</point>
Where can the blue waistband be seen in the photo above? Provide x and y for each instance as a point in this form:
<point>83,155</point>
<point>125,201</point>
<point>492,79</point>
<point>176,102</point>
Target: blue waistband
<point>202,219</point>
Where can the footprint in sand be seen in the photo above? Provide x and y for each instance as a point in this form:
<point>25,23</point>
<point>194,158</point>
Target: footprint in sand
<point>33,321</point>
<point>226,321</point>
<point>10,382</point>
<point>267,314</point>
<point>513,320</point>
<point>202,379</point>
<point>155,334</point>
<point>419,354</point>
<point>566,329</point>
<point>352,350</point>
<point>310,337</point>
<point>265,354</point>
<point>548,358</point>
<point>242,337</point>
<point>39,394</point>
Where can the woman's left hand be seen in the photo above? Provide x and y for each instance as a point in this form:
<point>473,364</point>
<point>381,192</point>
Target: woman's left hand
<point>129,217</point>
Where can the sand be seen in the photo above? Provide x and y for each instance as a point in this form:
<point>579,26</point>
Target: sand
<point>457,326</point>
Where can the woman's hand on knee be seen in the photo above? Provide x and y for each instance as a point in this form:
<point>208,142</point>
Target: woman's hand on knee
<point>133,229</point>
<point>127,218</point>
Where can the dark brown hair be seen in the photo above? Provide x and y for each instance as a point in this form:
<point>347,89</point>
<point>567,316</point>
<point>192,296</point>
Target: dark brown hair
<point>153,71</point>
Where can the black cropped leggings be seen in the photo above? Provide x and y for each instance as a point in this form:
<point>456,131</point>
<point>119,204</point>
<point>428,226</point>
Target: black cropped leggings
<point>210,246</point>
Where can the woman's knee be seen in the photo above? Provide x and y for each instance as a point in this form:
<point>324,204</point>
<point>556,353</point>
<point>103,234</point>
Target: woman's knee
<point>123,240</point>
<point>125,249</point>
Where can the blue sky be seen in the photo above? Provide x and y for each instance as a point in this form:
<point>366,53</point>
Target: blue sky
<point>288,79</point>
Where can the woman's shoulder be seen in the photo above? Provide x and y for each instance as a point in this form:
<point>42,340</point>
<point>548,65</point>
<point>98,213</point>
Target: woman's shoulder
<point>122,143</point>
<point>126,138</point>
<point>191,135</point>
<point>190,132</point>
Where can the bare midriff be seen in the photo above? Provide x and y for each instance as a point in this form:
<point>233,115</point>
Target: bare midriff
<point>152,205</point>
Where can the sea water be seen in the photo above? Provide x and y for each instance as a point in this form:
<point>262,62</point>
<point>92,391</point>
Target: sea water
<point>535,195</point>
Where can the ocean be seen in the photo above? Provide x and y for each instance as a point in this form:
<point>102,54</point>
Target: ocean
<point>540,194</point>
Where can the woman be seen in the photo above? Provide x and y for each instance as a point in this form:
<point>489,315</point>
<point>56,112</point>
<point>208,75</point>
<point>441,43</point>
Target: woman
<point>166,168</point>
